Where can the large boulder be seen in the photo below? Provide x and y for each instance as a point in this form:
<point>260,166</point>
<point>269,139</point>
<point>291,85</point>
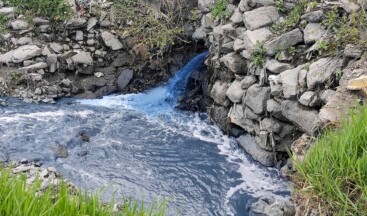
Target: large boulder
<point>289,80</point>
<point>234,62</point>
<point>276,67</point>
<point>305,119</point>
<point>218,93</point>
<point>21,54</point>
<point>249,144</point>
<point>270,206</point>
<point>238,117</point>
<point>323,72</point>
<point>260,17</point>
<point>205,5</point>
<point>124,78</point>
<point>284,41</point>
<point>258,36</point>
<point>313,32</point>
<point>256,97</point>
<point>235,92</point>
<point>111,40</point>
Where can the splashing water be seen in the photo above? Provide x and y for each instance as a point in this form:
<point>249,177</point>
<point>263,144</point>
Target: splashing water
<point>144,147</point>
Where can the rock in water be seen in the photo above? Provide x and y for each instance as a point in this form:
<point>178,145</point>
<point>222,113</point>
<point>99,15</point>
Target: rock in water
<point>124,78</point>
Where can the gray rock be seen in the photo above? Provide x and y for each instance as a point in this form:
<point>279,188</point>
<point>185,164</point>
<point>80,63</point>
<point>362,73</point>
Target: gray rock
<point>218,93</point>
<point>199,34</point>
<point>256,97</point>
<point>270,206</point>
<point>91,23</point>
<point>208,21</point>
<point>327,95</point>
<point>76,23</point>
<point>243,6</point>
<point>37,21</point>
<point>313,32</point>
<point>34,67</point>
<point>314,16</point>
<point>237,17</point>
<point>9,11</point>
<point>275,109</point>
<point>249,114</point>
<point>89,70</point>
<point>52,62</point>
<point>270,125</point>
<point>302,80</point>
<point>249,144</point>
<point>305,119</point>
<point>309,99</point>
<point>83,58</point>
<point>56,47</point>
<point>23,41</point>
<point>350,6</point>
<point>258,36</point>
<point>235,63</point>
<point>111,40</point>
<point>206,5</point>
<point>123,59</point>
<point>248,81</point>
<point>275,85</point>
<point>260,17</point>
<point>323,71</point>
<point>235,92</point>
<point>19,24</point>
<point>277,67</point>
<point>352,51</point>
<point>289,79</point>
<point>238,45</point>
<point>124,78</point>
<point>227,47</point>
<point>283,41</point>
<point>21,54</point>
<point>79,36</point>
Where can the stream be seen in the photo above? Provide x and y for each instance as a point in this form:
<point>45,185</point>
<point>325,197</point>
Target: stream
<point>140,146</point>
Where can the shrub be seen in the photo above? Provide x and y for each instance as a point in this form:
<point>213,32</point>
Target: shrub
<point>334,171</point>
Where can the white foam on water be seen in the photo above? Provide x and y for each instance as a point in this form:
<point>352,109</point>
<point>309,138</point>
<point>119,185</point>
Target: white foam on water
<point>256,179</point>
<point>44,116</point>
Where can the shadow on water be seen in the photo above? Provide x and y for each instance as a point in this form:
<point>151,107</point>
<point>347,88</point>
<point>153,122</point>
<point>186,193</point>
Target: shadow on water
<point>143,147</point>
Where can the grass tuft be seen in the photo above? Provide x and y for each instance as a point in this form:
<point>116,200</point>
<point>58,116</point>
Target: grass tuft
<point>334,172</point>
<point>56,10</point>
<point>18,198</point>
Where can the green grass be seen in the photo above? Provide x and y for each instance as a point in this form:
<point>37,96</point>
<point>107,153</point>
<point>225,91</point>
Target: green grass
<point>16,198</point>
<point>56,10</point>
<point>335,169</point>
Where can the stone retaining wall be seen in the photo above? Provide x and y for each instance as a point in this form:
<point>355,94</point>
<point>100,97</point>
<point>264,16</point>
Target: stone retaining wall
<point>271,105</point>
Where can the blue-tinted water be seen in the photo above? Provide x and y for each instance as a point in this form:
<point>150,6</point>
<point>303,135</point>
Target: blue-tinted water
<point>143,148</point>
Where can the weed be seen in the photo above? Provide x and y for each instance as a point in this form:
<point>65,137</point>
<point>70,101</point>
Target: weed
<point>335,168</point>
<point>322,46</point>
<point>257,55</point>
<point>312,5</point>
<point>331,20</point>
<point>219,10</point>
<point>18,198</point>
<point>57,10</point>
<point>292,19</point>
<point>3,22</point>
<point>279,4</point>
<point>159,31</point>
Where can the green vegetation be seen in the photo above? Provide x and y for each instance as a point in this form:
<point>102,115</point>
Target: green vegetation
<point>16,198</point>
<point>334,172</point>
<point>292,19</point>
<point>57,10</point>
<point>257,55</point>
<point>157,30</point>
<point>219,10</point>
<point>346,29</point>
<point>3,22</point>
